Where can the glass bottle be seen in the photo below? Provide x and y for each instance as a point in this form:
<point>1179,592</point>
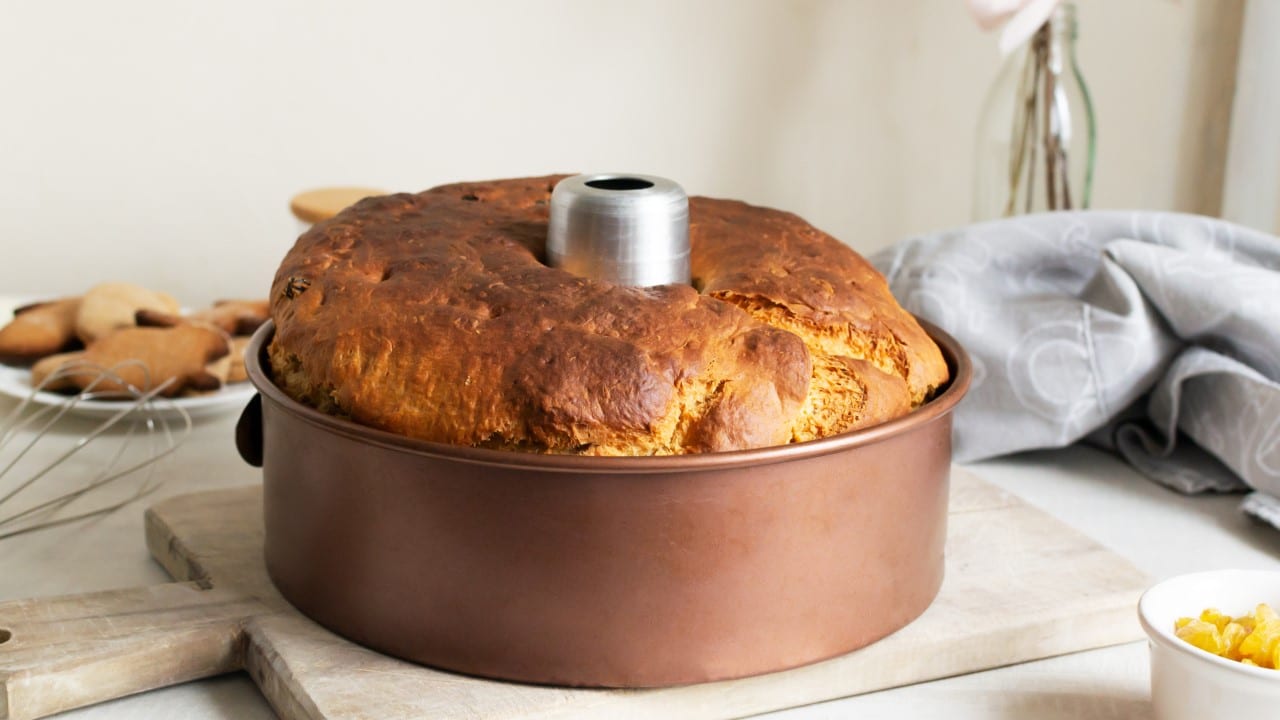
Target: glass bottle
<point>1036,135</point>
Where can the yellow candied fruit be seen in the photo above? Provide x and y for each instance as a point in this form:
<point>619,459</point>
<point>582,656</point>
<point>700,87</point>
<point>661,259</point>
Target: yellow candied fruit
<point>1250,639</point>
<point>1264,612</point>
<point>1265,656</point>
<point>1232,635</point>
<point>1253,644</point>
<point>1211,615</point>
<point>1203,635</point>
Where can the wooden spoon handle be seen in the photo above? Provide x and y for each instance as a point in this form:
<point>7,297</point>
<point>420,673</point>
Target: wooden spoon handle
<point>65,652</point>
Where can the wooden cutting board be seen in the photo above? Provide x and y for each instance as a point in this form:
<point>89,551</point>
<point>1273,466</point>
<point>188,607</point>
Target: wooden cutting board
<point>1019,586</point>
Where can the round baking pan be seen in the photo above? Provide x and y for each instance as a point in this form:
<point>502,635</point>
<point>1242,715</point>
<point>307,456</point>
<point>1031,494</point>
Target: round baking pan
<point>603,571</point>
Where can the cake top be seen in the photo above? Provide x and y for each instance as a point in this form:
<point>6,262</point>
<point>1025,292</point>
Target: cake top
<point>434,316</point>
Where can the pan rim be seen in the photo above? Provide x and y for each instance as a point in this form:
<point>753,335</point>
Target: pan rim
<point>958,362</point>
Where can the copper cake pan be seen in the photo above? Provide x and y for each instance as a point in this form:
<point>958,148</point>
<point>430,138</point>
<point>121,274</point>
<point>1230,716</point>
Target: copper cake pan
<point>618,572</point>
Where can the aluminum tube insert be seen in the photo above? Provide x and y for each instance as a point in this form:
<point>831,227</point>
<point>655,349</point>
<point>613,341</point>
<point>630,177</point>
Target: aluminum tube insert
<point>620,228</point>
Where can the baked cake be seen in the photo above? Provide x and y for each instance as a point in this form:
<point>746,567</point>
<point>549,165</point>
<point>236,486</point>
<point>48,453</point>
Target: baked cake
<point>434,316</point>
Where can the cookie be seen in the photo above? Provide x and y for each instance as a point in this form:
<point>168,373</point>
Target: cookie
<point>111,306</point>
<point>142,357</point>
<point>219,369</point>
<point>229,368</point>
<point>234,317</point>
<point>49,364</point>
<point>238,372</point>
<point>39,330</point>
<point>237,317</point>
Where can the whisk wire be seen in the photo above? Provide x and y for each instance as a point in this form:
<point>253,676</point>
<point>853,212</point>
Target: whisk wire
<point>143,410</point>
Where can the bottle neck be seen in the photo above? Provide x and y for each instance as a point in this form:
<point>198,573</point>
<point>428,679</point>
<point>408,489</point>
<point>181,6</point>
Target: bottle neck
<point>1058,36</point>
<point>1062,27</point>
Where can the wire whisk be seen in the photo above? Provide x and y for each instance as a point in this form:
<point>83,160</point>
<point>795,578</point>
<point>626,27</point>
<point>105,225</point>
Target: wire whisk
<point>145,429</point>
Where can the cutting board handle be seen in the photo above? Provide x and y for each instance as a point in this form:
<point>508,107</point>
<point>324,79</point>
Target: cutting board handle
<point>65,652</point>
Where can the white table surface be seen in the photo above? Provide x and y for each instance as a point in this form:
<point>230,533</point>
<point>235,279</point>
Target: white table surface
<point>1161,532</point>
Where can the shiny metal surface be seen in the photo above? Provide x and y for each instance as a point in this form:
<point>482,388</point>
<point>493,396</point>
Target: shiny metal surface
<point>603,571</point>
<point>621,228</point>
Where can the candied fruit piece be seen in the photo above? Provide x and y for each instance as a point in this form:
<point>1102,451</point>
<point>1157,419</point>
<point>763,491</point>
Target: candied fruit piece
<point>1253,643</point>
<point>1267,650</point>
<point>1203,635</point>
<point>1232,635</point>
<point>1251,639</point>
<point>1211,615</point>
<point>1265,613</point>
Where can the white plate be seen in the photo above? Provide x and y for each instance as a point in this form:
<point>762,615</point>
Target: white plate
<point>15,383</point>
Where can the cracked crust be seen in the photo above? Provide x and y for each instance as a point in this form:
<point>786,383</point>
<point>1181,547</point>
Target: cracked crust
<point>432,315</point>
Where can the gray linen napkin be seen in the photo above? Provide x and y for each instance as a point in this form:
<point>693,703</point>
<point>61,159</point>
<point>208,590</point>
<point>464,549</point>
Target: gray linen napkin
<point>1154,334</point>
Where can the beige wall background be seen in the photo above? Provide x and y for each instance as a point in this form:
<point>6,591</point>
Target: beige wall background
<point>159,141</point>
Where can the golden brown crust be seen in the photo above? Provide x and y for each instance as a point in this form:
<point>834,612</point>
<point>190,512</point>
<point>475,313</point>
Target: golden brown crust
<point>431,315</point>
<point>792,275</point>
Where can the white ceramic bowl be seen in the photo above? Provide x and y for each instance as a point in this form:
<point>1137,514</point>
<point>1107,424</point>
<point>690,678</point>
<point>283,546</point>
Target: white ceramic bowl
<point>1188,683</point>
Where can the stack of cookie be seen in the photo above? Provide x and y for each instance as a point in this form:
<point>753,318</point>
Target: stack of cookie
<point>139,334</point>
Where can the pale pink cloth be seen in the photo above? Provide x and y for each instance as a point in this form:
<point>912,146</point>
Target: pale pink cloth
<point>1020,18</point>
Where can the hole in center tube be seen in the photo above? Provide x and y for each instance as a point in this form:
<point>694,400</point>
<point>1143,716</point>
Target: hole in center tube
<point>5,635</point>
<point>620,183</point>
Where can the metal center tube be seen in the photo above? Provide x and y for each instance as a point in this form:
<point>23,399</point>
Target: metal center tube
<point>620,228</point>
